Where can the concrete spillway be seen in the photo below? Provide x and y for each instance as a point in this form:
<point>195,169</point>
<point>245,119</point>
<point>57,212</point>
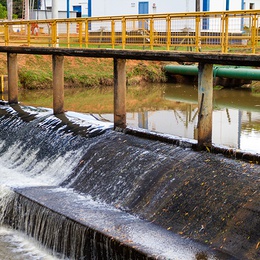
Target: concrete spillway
<point>101,194</point>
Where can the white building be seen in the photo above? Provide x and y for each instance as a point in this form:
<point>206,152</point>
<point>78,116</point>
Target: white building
<point>91,8</point>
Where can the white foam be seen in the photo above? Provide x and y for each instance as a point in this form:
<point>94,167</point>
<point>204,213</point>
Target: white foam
<point>33,173</point>
<point>87,119</point>
<point>17,246</point>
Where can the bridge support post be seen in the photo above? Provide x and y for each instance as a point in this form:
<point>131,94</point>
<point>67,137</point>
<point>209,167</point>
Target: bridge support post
<point>58,83</point>
<point>119,93</point>
<point>12,78</point>
<point>205,101</point>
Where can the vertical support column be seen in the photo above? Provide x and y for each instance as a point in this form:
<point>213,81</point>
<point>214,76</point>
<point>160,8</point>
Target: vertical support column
<point>119,93</point>
<point>58,83</point>
<point>12,78</point>
<point>205,100</point>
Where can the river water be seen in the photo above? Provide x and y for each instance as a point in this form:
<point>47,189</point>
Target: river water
<point>236,117</point>
<point>236,124</point>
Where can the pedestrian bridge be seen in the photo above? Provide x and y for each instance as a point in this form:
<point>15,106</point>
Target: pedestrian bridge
<point>225,32</point>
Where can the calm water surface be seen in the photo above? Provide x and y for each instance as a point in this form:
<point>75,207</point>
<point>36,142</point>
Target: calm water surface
<point>236,117</point>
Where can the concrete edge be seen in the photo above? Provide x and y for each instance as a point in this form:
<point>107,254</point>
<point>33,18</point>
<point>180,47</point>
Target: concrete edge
<point>192,144</point>
<point>145,240</point>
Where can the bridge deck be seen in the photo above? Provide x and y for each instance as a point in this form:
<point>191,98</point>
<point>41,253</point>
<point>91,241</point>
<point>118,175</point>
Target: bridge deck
<point>209,58</point>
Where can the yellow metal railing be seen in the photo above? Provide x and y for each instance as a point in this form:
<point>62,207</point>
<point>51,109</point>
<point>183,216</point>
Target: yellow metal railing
<point>231,31</point>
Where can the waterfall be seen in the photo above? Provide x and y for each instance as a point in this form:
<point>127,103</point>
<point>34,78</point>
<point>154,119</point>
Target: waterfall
<point>87,192</point>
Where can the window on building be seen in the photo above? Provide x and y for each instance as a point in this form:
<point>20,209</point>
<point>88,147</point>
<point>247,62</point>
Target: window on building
<point>252,6</point>
<point>77,8</point>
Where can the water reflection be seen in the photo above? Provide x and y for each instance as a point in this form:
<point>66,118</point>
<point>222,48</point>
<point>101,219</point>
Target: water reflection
<point>236,117</point>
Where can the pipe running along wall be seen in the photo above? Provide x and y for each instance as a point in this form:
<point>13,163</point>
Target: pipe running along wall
<point>218,71</point>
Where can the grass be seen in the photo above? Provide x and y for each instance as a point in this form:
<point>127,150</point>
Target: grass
<point>35,71</point>
<point>255,86</point>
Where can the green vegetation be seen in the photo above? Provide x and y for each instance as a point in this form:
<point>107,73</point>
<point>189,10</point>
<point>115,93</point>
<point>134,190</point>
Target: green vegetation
<point>255,86</point>
<point>3,12</point>
<point>100,100</point>
<point>218,87</point>
<point>35,72</point>
<point>17,7</point>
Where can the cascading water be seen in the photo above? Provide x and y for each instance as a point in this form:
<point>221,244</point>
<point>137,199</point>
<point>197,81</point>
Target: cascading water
<point>87,192</point>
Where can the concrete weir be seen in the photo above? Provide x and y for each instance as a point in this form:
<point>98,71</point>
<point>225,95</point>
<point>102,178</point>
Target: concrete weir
<point>96,230</point>
<point>104,194</point>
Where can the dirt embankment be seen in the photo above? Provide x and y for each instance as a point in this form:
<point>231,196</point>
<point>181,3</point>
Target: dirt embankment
<point>35,71</point>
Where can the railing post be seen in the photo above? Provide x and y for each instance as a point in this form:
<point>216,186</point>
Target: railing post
<point>168,33</point>
<point>226,44</point>
<point>197,34</point>
<point>12,78</point>
<point>253,34</point>
<point>113,35</point>
<point>87,33</point>
<point>29,33</point>
<point>80,34</point>
<point>68,34</point>
<point>54,34</point>
<point>123,33</point>
<point>6,30</point>
<point>58,83</point>
<point>151,33</point>
<point>119,93</point>
<point>205,102</point>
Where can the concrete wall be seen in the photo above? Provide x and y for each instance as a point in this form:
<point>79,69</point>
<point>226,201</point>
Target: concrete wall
<point>126,7</point>
<point>63,6</point>
<point>131,7</point>
<point>42,15</point>
<point>113,7</point>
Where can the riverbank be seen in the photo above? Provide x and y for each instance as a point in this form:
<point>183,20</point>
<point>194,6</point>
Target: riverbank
<point>35,71</point>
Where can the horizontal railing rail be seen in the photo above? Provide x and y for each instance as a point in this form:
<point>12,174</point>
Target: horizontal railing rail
<point>224,32</point>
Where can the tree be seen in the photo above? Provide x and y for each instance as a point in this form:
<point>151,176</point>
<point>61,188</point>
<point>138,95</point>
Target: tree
<point>17,7</point>
<point>3,12</point>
